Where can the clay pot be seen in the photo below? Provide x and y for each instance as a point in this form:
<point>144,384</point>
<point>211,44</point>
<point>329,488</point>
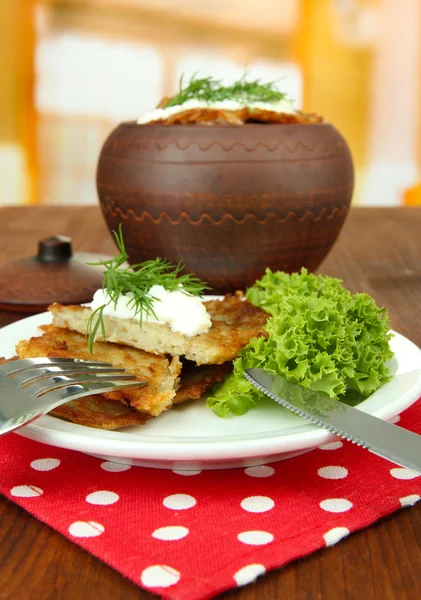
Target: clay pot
<point>228,201</point>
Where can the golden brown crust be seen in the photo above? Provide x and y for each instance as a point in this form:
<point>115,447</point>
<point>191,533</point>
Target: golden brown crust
<point>196,381</point>
<point>97,411</point>
<point>235,322</point>
<point>104,412</point>
<point>209,116</point>
<point>160,373</point>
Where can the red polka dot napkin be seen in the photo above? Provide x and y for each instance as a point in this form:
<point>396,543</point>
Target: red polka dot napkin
<point>191,535</point>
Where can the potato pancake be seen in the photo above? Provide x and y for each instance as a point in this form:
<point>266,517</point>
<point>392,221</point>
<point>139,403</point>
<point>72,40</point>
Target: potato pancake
<point>211,116</point>
<point>235,322</point>
<point>107,413</point>
<point>160,373</point>
<point>196,381</point>
<point>96,411</point>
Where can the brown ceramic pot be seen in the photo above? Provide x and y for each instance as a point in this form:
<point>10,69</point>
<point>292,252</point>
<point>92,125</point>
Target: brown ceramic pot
<point>228,201</point>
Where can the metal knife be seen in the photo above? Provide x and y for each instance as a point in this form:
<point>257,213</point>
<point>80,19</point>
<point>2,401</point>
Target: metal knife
<point>380,437</point>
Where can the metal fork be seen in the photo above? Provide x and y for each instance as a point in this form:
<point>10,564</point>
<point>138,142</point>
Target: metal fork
<point>31,387</point>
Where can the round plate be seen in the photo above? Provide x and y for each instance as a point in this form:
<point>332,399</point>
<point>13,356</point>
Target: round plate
<point>190,436</point>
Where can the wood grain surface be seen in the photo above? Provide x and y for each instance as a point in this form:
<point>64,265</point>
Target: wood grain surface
<point>379,252</point>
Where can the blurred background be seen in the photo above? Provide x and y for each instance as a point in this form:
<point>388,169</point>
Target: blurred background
<point>72,69</point>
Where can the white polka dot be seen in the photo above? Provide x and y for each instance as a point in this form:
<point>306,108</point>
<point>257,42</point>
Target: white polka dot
<point>26,491</point>
<point>255,538</point>
<point>262,471</point>
<point>186,473</point>
<point>257,504</point>
<point>159,576</point>
<point>331,446</point>
<point>395,419</point>
<point>102,497</point>
<point>336,505</point>
<point>114,467</point>
<point>86,529</point>
<point>409,500</point>
<point>45,464</point>
<point>402,473</point>
<point>249,573</point>
<point>334,535</point>
<point>332,472</point>
<point>179,501</point>
<point>172,532</point>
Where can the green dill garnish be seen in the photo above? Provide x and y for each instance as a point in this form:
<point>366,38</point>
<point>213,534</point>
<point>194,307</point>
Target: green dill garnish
<point>137,280</point>
<point>210,90</point>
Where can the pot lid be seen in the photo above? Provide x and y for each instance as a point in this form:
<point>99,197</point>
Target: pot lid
<point>54,275</point>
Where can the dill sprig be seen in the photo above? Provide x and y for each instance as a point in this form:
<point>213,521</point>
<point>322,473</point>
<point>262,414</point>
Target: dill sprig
<point>210,90</point>
<point>137,280</point>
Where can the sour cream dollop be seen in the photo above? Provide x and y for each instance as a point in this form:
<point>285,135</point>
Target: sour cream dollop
<point>282,106</point>
<point>183,312</point>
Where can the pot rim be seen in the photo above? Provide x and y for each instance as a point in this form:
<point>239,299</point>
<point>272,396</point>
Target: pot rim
<point>222,127</point>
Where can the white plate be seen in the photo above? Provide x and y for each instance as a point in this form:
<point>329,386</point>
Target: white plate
<point>192,437</point>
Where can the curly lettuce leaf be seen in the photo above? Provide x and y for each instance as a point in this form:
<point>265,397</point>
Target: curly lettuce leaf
<point>319,336</point>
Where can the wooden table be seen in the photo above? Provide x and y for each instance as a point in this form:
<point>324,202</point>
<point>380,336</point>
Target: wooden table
<point>379,252</point>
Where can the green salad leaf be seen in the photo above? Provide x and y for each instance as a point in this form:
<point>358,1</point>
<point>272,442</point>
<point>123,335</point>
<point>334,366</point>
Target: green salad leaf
<point>319,336</point>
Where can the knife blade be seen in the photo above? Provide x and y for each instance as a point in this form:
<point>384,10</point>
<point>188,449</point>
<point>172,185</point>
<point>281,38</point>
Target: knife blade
<point>393,443</point>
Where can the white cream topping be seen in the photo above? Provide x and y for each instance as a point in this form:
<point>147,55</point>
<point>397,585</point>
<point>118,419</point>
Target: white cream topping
<point>282,106</point>
<point>183,312</point>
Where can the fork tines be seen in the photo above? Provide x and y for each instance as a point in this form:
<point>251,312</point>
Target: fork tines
<point>54,365</point>
<point>94,381</point>
<point>43,375</point>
